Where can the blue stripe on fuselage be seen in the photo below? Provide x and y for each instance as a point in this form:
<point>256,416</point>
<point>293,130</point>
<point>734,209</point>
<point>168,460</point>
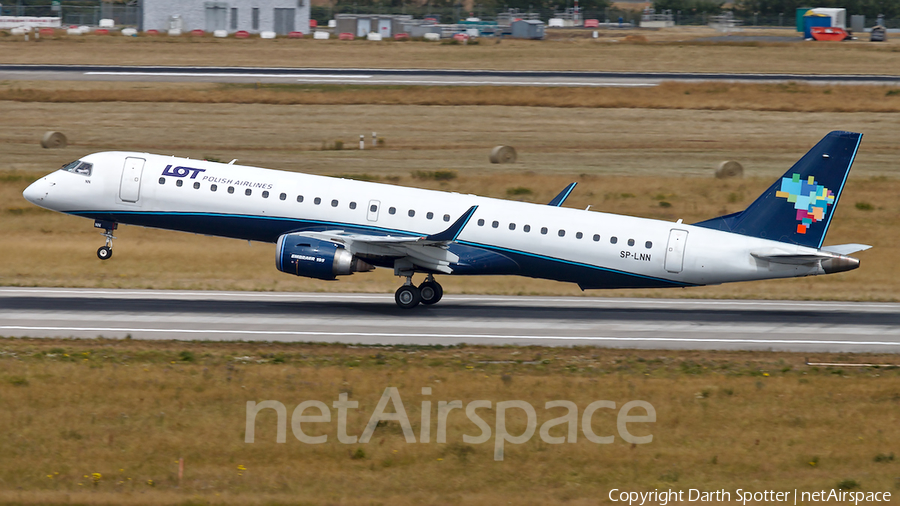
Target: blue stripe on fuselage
<point>474,258</point>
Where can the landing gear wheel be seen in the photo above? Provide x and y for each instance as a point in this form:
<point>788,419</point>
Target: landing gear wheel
<point>407,296</point>
<point>104,253</point>
<point>431,292</point>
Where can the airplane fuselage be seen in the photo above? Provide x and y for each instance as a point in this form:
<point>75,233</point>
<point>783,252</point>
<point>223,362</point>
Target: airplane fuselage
<point>593,249</point>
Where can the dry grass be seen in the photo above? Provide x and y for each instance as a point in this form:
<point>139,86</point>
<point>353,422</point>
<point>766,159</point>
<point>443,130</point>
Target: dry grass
<point>550,140</point>
<point>679,50</point>
<point>130,410</point>
<point>789,97</point>
<point>643,152</point>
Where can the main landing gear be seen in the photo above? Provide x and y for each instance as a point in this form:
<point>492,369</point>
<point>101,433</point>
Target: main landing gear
<point>105,252</point>
<point>409,295</point>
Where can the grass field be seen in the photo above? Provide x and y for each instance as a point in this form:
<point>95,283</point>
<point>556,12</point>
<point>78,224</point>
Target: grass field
<point>786,97</point>
<point>106,422</point>
<point>678,50</point>
<point>129,411</point>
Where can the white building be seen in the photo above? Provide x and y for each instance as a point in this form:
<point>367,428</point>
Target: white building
<point>254,16</point>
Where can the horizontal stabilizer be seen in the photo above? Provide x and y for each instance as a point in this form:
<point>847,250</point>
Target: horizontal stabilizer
<point>563,195</point>
<point>830,262</point>
<point>846,249</point>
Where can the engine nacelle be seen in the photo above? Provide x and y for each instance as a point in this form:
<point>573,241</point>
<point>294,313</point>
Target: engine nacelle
<point>312,258</point>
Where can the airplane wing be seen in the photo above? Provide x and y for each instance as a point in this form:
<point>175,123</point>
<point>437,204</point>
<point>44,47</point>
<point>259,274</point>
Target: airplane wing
<point>426,251</point>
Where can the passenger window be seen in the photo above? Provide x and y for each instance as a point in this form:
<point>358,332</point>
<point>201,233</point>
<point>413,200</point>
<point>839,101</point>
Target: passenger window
<point>562,233</point>
<point>265,194</point>
<point>179,183</point>
<point>631,242</point>
<point>196,186</point>
<point>512,226</point>
<point>613,240</point>
<point>596,237</point>
<point>430,215</point>
<point>446,217</point>
<point>283,196</point>
<point>248,192</point>
<point>231,189</point>
<point>495,224</point>
<point>543,230</point>
<point>480,223</point>
<point>527,228</point>
<point>334,203</point>
<point>317,201</point>
<point>353,205</point>
<point>392,210</point>
<point>411,213</point>
<point>162,180</point>
<point>648,244</point>
<point>579,235</point>
<point>373,208</point>
<point>299,198</point>
<point>213,188</point>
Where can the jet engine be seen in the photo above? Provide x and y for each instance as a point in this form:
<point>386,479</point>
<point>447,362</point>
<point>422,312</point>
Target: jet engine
<point>313,258</point>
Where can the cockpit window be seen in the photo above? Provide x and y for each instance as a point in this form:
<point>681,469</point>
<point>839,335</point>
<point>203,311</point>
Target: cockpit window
<point>78,167</point>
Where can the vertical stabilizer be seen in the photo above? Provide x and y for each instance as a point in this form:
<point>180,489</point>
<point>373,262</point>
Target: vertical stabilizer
<point>798,207</point>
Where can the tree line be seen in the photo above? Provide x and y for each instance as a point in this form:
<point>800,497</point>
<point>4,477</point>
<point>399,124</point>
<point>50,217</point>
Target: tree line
<point>868,8</point>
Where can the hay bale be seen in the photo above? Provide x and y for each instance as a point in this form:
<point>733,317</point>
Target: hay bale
<point>54,140</point>
<point>729,169</point>
<point>503,154</point>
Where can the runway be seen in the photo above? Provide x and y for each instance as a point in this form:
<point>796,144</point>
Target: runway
<point>472,319</point>
<point>408,77</point>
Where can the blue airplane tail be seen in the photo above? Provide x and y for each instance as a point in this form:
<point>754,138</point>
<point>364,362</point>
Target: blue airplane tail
<point>798,208</point>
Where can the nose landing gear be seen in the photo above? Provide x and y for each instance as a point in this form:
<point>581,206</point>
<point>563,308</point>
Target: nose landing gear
<point>409,295</point>
<point>105,252</point>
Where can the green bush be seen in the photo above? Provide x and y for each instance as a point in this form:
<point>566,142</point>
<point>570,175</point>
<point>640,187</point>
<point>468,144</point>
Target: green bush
<point>519,190</point>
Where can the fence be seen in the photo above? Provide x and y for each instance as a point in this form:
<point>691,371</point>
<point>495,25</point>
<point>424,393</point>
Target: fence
<point>130,15</point>
<point>124,15</point>
<point>778,20</point>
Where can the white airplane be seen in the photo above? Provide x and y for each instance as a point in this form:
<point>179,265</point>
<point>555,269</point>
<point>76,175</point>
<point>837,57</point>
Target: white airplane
<point>325,227</point>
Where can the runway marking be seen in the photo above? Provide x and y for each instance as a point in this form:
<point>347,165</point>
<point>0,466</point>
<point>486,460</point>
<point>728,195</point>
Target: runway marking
<point>457,336</point>
<point>494,83</point>
<point>222,74</point>
<point>366,79</point>
<point>452,298</point>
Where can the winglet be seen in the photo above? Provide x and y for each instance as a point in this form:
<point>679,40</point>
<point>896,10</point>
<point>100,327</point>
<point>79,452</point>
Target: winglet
<point>454,230</point>
<point>563,195</point>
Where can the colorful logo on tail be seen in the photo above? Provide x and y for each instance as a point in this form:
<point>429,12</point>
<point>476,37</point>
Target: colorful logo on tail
<point>811,200</point>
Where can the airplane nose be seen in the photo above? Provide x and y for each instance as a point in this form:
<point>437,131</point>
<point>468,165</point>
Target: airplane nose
<point>36,192</point>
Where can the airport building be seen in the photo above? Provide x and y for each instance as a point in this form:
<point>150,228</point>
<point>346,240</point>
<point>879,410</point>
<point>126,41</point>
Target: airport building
<point>254,16</point>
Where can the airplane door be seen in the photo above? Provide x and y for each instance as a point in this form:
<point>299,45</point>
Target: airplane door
<point>675,250</point>
<point>130,187</point>
<point>374,206</point>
